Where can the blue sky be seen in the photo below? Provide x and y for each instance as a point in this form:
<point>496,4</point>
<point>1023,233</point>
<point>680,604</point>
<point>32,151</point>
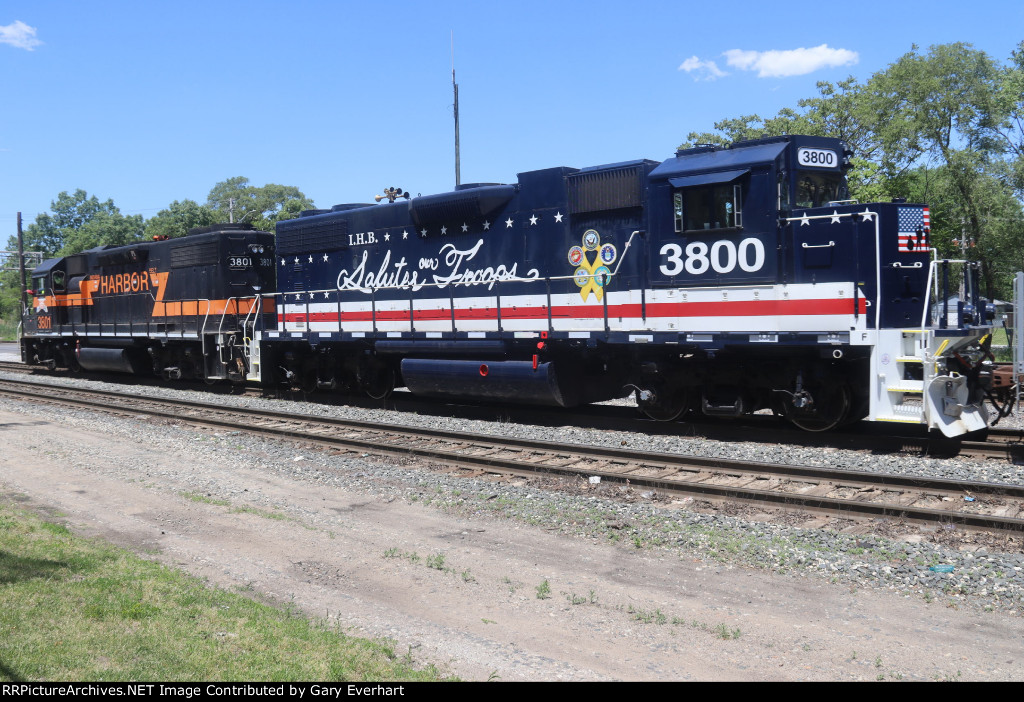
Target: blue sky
<point>151,102</point>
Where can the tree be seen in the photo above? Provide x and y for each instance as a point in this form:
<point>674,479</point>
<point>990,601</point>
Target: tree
<point>74,211</point>
<point>179,218</point>
<point>751,127</point>
<point>59,232</point>
<point>42,235</point>
<point>839,112</point>
<point>1005,119</point>
<point>236,199</point>
<point>945,127</point>
<point>938,108</point>
<point>104,230</point>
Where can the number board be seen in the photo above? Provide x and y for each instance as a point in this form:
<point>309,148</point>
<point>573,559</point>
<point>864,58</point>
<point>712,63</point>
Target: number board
<point>817,158</point>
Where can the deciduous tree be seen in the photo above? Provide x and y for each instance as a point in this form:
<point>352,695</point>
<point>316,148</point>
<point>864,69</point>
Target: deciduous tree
<point>179,218</point>
<point>264,206</point>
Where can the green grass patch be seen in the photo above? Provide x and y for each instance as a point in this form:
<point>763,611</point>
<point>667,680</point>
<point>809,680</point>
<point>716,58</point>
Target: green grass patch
<point>9,327</point>
<point>266,514</point>
<point>205,499</point>
<point>78,609</point>
<point>999,336</point>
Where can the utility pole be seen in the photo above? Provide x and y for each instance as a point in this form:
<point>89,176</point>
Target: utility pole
<point>21,265</point>
<point>455,88</point>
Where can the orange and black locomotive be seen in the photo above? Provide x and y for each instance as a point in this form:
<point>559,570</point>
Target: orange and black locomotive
<point>182,308</point>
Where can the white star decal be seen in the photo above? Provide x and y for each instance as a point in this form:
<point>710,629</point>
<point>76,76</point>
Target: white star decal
<point>405,234</point>
<point>326,294</point>
<point>444,230</point>
<point>867,214</point>
<point>325,258</point>
<point>423,233</point>
<point>282,261</point>
<point>558,217</point>
<point>296,259</point>
<point>835,217</point>
<point>533,220</point>
<point>310,259</point>
<point>487,225</point>
<point>387,237</point>
<point>465,227</point>
<point>508,223</point>
<point>805,221</point>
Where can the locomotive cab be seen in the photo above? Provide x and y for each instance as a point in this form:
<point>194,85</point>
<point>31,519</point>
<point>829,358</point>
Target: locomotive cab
<point>43,312</point>
<point>796,299</point>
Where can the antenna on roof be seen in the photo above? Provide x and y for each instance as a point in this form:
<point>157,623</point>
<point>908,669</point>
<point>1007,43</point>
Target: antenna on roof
<point>455,87</point>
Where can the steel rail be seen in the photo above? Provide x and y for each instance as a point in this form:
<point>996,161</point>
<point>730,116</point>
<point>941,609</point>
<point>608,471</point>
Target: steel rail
<point>684,474</point>
<point>1001,443</point>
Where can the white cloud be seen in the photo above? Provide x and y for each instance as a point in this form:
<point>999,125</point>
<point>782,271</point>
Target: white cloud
<point>794,62</point>
<point>19,35</point>
<point>705,70</point>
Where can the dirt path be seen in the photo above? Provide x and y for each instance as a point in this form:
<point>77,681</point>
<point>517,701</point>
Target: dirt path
<point>372,564</point>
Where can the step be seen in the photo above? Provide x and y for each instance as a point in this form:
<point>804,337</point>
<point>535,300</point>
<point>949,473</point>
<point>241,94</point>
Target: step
<point>902,420</point>
<point>907,386</point>
<point>909,359</point>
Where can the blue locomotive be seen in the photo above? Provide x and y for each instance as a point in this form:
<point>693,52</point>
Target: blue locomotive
<point>723,280</point>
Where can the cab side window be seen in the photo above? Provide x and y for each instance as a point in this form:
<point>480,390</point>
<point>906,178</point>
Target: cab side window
<point>719,206</point>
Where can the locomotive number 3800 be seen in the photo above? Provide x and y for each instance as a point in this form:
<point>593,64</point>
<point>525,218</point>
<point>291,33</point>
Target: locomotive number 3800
<point>722,256</point>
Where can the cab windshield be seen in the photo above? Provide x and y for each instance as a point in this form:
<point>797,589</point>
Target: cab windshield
<point>817,189</point>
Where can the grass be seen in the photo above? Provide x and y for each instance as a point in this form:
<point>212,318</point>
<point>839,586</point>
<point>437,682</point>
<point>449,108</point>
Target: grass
<point>78,609</point>
<point>9,327</point>
<point>205,499</point>
<point>999,337</point>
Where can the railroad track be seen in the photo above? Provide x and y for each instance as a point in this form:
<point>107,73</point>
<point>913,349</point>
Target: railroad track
<point>849,493</point>
<point>1000,444</point>
<point>15,367</point>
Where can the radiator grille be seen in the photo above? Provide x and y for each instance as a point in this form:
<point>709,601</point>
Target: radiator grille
<point>605,190</point>
<point>319,236</point>
<point>188,255</point>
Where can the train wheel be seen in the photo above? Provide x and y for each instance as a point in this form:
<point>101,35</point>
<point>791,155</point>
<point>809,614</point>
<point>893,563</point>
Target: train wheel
<point>665,409</point>
<point>831,406</point>
<point>378,381</point>
<point>308,384</point>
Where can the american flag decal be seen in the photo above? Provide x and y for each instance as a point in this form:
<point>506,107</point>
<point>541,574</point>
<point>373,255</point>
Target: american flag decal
<point>913,228</point>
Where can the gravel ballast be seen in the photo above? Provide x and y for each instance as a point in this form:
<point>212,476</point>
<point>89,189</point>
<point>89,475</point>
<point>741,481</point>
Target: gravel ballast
<point>986,571</point>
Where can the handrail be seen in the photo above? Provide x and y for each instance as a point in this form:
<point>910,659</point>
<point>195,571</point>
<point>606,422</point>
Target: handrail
<point>932,266</point>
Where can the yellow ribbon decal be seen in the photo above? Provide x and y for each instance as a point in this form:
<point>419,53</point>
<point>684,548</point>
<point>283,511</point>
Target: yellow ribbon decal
<point>592,276</point>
